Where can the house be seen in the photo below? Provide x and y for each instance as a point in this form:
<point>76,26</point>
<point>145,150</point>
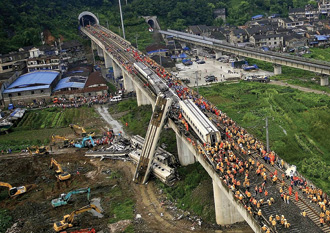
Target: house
<point>238,35</point>
<point>272,40</point>
<point>220,13</point>
<point>7,61</point>
<point>31,86</point>
<point>200,30</point>
<point>288,23</point>
<point>324,7</point>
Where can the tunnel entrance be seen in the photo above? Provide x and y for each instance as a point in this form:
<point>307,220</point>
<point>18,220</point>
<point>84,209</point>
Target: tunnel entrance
<point>151,23</point>
<point>87,18</point>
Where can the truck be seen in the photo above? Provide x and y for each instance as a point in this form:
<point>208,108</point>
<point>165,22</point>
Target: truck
<point>255,78</point>
<point>65,198</point>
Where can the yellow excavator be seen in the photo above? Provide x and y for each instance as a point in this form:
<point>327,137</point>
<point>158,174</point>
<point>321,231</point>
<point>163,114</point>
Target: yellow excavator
<point>59,173</point>
<point>80,131</point>
<point>42,150</point>
<point>66,141</point>
<point>68,219</point>
<point>14,191</point>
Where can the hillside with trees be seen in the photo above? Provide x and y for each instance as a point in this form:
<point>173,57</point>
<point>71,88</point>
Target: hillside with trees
<point>21,22</point>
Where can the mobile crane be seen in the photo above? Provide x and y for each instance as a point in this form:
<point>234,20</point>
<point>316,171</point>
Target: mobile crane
<point>59,173</point>
<point>65,198</point>
<point>42,150</point>
<point>14,191</point>
<point>68,219</point>
<point>83,133</point>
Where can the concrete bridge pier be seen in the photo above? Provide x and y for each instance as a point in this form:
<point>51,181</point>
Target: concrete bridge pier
<point>140,97</point>
<point>324,80</point>
<point>93,45</point>
<point>218,54</point>
<point>186,157</point>
<point>225,211</point>
<point>116,69</point>
<point>99,51</point>
<point>277,69</point>
<point>199,50</point>
<point>128,83</point>
<point>107,60</point>
<point>183,44</point>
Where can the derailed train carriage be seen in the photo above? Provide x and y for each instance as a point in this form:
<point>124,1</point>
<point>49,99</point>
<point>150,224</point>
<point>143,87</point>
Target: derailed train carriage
<point>157,84</point>
<point>201,125</point>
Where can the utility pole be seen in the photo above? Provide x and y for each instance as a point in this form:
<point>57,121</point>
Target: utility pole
<point>136,36</point>
<point>196,72</point>
<point>122,21</point>
<point>107,24</point>
<point>160,57</point>
<point>119,31</point>
<point>267,136</point>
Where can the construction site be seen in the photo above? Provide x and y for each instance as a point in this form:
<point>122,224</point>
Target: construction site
<point>89,172</point>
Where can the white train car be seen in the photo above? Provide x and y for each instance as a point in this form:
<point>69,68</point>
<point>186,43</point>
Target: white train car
<point>156,82</point>
<point>201,125</point>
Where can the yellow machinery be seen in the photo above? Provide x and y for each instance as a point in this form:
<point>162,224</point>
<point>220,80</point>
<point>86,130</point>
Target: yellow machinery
<point>59,173</point>
<point>56,138</point>
<point>82,131</point>
<point>42,150</point>
<point>14,191</point>
<point>68,219</point>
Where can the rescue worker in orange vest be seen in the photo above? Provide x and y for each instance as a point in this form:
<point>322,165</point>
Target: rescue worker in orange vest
<point>304,213</point>
<point>264,228</point>
<point>266,193</point>
<point>321,221</point>
<point>274,224</point>
<point>259,213</point>
<point>296,196</point>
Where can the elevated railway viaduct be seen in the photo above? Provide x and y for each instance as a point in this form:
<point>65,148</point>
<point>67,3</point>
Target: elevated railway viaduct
<point>119,54</point>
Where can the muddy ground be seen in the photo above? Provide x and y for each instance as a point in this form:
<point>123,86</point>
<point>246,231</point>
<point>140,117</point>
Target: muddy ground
<point>33,211</point>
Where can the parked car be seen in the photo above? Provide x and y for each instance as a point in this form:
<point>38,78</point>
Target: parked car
<point>200,62</point>
<point>210,78</point>
<point>116,98</point>
<point>185,80</point>
<point>187,63</point>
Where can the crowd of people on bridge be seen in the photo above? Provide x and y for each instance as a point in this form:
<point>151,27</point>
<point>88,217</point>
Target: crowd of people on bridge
<point>242,161</point>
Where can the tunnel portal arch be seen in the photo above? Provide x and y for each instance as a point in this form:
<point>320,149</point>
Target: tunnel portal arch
<point>86,18</point>
<point>151,23</point>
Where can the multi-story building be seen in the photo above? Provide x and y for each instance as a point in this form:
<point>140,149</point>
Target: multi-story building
<point>7,61</point>
<point>271,41</point>
<point>324,7</point>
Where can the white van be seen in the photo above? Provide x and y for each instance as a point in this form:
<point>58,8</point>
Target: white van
<point>116,98</point>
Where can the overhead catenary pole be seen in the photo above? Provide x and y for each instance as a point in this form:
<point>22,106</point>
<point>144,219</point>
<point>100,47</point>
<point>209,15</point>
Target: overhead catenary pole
<point>136,36</point>
<point>122,21</point>
<point>196,72</point>
<point>267,136</point>
<point>160,58</point>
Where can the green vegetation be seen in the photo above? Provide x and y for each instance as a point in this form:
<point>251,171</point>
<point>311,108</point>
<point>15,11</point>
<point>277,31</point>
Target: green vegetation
<point>137,117</point>
<point>5,220</point>
<point>122,210</point>
<point>298,122</point>
<point>37,126</point>
<point>193,192</point>
<point>319,54</point>
<point>21,22</point>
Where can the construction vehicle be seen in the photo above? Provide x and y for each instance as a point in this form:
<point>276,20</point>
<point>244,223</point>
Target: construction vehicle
<point>68,219</point>
<point>42,150</point>
<point>86,142</point>
<point>82,231</point>
<point>65,198</point>
<point>66,142</point>
<point>59,173</point>
<point>14,191</point>
<point>80,131</point>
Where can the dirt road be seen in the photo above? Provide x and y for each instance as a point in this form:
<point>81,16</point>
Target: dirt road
<point>305,89</point>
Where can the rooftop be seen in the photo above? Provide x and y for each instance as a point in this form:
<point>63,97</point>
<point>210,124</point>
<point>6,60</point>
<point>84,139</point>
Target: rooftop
<point>32,81</point>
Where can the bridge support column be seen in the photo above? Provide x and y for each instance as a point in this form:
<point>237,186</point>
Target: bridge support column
<point>183,44</point>
<point>218,54</point>
<point>324,81</point>
<point>107,60</point>
<point>128,83</point>
<point>277,69</point>
<point>93,45</point>
<point>225,211</point>
<point>140,97</point>
<point>199,50</point>
<point>186,157</point>
<point>116,69</point>
<point>99,51</point>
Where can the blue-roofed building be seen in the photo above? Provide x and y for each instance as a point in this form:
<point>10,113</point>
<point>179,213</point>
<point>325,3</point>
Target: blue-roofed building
<point>31,86</point>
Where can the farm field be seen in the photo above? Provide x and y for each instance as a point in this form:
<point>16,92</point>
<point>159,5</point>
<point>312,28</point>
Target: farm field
<point>298,122</point>
<point>37,126</point>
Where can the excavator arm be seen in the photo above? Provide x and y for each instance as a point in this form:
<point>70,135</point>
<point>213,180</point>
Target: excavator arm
<point>59,168</point>
<point>5,185</point>
<point>68,219</point>
<point>82,132</point>
<point>14,191</point>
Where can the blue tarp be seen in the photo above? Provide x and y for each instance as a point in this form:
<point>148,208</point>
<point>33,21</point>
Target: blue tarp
<point>157,51</point>
<point>182,55</point>
<point>186,48</point>
<point>321,37</point>
<point>174,56</point>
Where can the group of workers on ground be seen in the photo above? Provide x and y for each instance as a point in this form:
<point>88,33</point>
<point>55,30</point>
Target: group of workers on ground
<point>232,157</point>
